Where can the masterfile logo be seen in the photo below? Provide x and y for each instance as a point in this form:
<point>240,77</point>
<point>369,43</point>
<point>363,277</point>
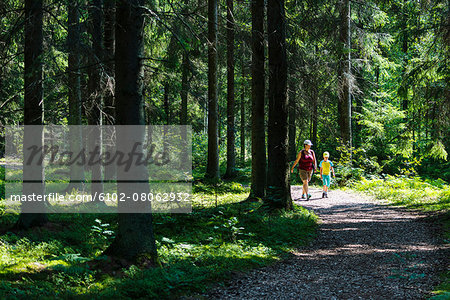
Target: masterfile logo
<point>125,169</point>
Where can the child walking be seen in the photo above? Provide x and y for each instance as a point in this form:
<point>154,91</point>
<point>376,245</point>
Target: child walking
<point>325,167</point>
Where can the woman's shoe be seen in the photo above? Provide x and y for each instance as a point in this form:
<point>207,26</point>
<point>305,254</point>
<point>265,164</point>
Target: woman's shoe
<point>303,196</point>
<point>323,195</point>
<point>309,196</point>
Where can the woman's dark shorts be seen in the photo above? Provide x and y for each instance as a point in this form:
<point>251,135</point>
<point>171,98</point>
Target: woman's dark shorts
<point>305,175</point>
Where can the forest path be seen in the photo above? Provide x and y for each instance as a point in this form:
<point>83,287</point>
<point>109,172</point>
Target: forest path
<point>364,250</point>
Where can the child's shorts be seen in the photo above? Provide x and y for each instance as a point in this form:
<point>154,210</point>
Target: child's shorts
<point>326,180</point>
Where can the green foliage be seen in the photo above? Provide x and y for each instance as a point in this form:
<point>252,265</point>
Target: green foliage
<point>380,121</point>
<point>429,195</point>
<point>346,175</point>
<point>199,148</point>
<point>220,187</point>
<point>443,290</point>
<point>368,164</point>
<point>352,165</point>
<point>429,168</point>
<point>227,227</point>
<point>437,151</point>
<point>102,231</point>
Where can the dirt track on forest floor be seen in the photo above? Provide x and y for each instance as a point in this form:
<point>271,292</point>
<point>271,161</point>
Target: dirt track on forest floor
<point>364,250</point>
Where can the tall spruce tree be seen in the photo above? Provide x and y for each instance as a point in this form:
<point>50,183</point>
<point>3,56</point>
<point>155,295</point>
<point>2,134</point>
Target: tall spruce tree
<point>134,239</point>
<point>258,180</point>
<point>231,137</point>
<point>212,167</point>
<point>74,88</point>
<point>345,100</point>
<point>278,186</point>
<point>33,115</point>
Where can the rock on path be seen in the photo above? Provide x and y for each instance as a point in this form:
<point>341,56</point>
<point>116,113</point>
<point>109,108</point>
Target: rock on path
<point>364,250</point>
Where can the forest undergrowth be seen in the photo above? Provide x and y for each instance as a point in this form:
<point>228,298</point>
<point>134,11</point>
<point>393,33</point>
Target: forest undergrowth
<point>220,237</point>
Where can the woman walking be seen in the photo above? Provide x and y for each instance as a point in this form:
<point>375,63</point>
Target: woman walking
<point>306,160</point>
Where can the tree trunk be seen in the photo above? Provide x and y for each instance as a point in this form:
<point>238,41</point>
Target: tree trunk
<point>349,88</point>
<point>434,121</point>
<point>231,156</point>
<point>134,239</point>
<point>74,119</point>
<point>292,123</point>
<point>108,42</point>
<point>359,110</point>
<point>314,115</point>
<point>184,89</point>
<point>2,139</point>
<point>242,104</point>
<point>95,61</point>
<point>258,183</point>
<point>212,168</point>
<point>109,13</point>
<point>185,68</point>
<point>427,123</point>
<point>205,117</point>
<point>33,114</point>
<point>278,190</point>
<point>94,90</point>
<point>167,113</point>
<point>166,103</point>
<point>299,144</point>
<point>405,61</point>
<point>184,105</point>
<point>344,105</point>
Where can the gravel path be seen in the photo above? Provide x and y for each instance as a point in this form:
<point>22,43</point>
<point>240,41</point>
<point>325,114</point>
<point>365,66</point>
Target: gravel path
<point>363,251</point>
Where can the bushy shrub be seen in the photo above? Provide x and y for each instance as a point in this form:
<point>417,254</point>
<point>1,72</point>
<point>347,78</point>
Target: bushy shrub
<point>346,175</point>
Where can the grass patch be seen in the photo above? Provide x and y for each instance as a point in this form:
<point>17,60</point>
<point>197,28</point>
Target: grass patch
<point>415,193</point>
